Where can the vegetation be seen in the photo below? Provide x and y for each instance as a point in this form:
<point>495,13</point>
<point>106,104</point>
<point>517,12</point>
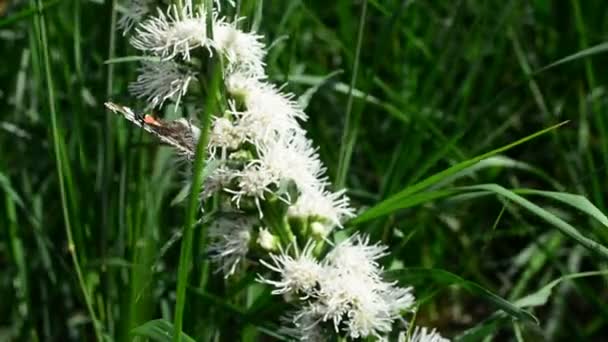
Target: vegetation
<point>472,137</point>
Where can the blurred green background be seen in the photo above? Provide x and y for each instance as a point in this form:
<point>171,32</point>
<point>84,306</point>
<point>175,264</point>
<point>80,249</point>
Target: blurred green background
<point>438,82</point>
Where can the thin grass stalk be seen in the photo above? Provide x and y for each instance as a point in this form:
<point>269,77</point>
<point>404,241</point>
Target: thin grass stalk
<point>347,141</point>
<point>191,211</point>
<point>597,111</point>
<point>197,182</point>
<point>57,143</point>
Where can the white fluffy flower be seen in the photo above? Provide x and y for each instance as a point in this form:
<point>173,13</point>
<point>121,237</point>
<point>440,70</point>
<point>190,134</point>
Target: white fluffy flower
<point>355,255</point>
<point>332,207</point>
<point>363,305</point>
<point>244,51</point>
<point>346,289</point>
<point>230,242</point>
<point>160,81</point>
<point>293,158</point>
<point>354,293</point>
<point>422,334</point>
<point>270,114</point>
<point>134,12</point>
<point>174,33</point>
<point>299,274</point>
<point>366,315</point>
<point>224,135</point>
<point>254,181</point>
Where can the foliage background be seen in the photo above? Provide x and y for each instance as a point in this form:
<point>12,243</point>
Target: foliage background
<point>438,82</point>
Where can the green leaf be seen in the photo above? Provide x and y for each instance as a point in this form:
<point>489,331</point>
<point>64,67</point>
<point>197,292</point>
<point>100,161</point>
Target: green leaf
<point>603,47</point>
<point>445,278</point>
<point>541,296</point>
<point>502,162</point>
<point>549,217</point>
<point>159,330</point>
<point>393,203</point>
<point>304,99</point>
<point>5,184</point>
<point>577,201</point>
<point>250,317</point>
<point>128,59</point>
<point>483,329</point>
<point>490,325</point>
<point>410,201</point>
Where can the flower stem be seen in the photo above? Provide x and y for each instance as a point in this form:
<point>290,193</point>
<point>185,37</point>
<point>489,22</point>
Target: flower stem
<point>192,209</point>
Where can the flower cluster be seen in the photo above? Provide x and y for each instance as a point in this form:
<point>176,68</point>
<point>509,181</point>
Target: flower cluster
<point>345,289</point>
<point>272,199</point>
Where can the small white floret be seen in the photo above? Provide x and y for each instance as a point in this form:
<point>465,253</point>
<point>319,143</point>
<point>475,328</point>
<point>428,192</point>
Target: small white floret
<point>230,242</point>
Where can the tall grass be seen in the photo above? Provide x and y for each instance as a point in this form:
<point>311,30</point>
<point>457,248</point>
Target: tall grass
<point>411,104</point>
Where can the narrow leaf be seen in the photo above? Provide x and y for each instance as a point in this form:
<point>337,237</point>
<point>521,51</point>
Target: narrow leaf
<point>549,217</point>
<point>577,201</point>
<point>445,278</point>
<point>393,202</point>
<point>603,47</point>
<point>159,330</point>
<point>541,296</point>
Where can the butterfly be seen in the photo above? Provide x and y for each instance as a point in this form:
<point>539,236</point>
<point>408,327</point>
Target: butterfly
<point>181,134</point>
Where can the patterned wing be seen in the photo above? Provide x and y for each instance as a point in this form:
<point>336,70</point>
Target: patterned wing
<point>180,134</point>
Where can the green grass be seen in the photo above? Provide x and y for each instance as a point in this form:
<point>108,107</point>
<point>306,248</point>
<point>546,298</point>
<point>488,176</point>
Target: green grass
<point>92,247</point>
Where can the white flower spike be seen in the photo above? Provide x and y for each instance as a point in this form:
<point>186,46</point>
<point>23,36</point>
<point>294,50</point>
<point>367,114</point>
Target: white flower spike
<point>162,81</point>
<point>244,51</point>
<point>174,33</point>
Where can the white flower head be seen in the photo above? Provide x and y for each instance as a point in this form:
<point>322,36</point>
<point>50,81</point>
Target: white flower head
<point>174,33</point>
<point>269,113</point>
<point>161,81</point>
<point>230,242</point>
<point>422,334</point>
<point>356,255</point>
<point>363,305</point>
<point>367,316</point>
<point>134,12</point>
<point>244,51</point>
<point>331,207</point>
<point>352,294</point>
<point>299,274</point>
<point>224,135</point>
<point>293,158</point>
<point>254,181</point>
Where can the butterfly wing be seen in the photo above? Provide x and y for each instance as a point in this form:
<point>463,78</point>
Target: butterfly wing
<point>179,133</point>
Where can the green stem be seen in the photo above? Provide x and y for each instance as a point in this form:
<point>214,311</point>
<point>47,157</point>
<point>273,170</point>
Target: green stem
<point>197,182</point>
<point>58,146</point>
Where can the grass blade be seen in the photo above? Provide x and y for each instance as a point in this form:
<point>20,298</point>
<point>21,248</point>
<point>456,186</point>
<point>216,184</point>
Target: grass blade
<point>350,133</point>
<point>444,278</point>
<point>159,330</point>
<point>392,203</point>
<point>549,217</point>
<point>58,147</point>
